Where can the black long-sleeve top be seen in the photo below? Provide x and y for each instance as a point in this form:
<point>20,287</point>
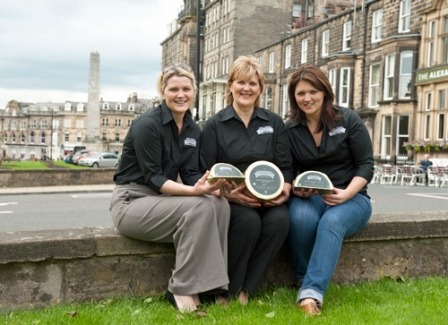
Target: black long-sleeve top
<point>154,152</point>
<point>225,139</point>
<point>344,152</point>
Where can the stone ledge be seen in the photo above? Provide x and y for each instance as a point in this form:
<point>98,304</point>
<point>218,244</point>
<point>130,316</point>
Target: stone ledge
<point>42,268</point>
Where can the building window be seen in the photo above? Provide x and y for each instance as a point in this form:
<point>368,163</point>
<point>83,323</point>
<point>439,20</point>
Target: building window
<point>296,10</point>
<point>105,106</point>
<point>377,23</point>
<point>105,122</point>
<point>428,97</point>
<point>78,137</point>
<point>332,79</point>
<point>442,99</point>
<point>22,138</point>
<point>426,127</point>
<point>325,43</point>
<point>118,107</point>
<point>79,124</point>
<point>389,76</point>
<point>130,121</point>
<point>431,44</point>
<point>32,137</point>
<point>304,51</point>
<point>131,107</point>
<point>13,137</point>
<point>80,107</point>
<point>117,122</point>
<point>405,82</point>
<point>440,126</point>
<point>117,137</point>
<point>374,85</point>
<point>42,138</point>
<point>444,58</point>
<point>344,87</point>
<point>404,22</point>
<point>67,123</point>
<point>386,136</point>
<point>268,98</point>
<point>104,136</point>
<point>33,124</point>
<point>402,134</point>
<point>285,106</point>
<point>288,56</point>
<point>271,62</point>
<point>66,137</point>
<point>22,125</point>
<point>346,36</point>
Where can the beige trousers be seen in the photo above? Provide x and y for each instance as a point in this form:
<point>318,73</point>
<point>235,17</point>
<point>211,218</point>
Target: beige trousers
<point>197,225</point>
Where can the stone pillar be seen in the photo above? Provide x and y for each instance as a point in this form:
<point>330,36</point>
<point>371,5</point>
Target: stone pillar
<point>93,105</point>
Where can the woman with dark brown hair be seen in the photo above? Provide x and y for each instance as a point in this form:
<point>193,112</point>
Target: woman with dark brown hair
<point>332,140</point>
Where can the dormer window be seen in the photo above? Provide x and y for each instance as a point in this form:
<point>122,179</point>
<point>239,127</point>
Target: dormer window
<point>118,107</point>
<point>106,105</point>
<point>131,107</point>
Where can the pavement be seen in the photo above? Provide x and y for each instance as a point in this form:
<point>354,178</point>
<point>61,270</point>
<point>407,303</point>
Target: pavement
<point>57,189</point>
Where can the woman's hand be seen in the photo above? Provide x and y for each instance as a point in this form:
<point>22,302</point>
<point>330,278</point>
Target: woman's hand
<point>340,196</point>
<point>241,195</point>
<point>282,198</point>
<point>203,186</point>
<point>337,197</point>
<point>305,193</point>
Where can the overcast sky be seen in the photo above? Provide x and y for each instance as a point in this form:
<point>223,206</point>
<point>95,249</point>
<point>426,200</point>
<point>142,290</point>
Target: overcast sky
<point>45,47</point>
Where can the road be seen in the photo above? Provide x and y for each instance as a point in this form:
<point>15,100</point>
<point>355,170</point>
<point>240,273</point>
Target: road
<point>22,212</point>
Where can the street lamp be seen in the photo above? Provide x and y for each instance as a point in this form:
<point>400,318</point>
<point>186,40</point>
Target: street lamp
<point>198,54</point>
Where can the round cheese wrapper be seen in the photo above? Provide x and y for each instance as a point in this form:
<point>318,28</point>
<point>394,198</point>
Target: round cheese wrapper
<point>264,180</point>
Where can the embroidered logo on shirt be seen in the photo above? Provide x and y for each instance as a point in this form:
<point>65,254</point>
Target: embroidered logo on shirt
<point>338,130</point>
<point>265,129</point>
<point>190,142</point>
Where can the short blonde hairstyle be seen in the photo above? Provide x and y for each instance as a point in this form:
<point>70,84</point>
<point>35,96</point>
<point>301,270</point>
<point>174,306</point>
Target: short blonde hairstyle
<point>244,68</point>
<point>178,70</point>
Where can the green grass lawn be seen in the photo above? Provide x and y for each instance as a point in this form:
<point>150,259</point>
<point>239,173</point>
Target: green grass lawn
<point>36,165</point>
<point>422,301</point>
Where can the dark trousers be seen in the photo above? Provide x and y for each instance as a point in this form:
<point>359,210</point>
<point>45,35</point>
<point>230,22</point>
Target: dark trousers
<point>255,237</point>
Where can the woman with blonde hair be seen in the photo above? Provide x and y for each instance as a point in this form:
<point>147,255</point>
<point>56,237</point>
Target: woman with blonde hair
<point>241,134</point>
<point>148,203</point>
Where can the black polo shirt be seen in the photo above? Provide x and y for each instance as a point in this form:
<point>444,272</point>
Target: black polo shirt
<point>344,152</point>
<point>154,152</point>
<point>226,139</point>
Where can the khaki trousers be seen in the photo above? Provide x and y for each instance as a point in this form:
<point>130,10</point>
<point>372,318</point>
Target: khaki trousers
<point>197,225</point>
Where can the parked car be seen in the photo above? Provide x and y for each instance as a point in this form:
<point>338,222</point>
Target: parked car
<point>100,160</point>
<point>82,154</point>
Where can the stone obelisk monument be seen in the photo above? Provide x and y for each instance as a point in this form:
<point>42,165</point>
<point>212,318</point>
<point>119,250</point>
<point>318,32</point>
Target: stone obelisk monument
<point>93,105</point>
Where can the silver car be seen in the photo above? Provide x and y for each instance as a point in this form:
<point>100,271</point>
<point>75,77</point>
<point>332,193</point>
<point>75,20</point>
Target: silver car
<point>100,160</point>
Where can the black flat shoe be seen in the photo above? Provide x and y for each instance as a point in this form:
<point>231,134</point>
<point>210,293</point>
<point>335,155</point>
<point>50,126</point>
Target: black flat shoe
<point>170,297</point>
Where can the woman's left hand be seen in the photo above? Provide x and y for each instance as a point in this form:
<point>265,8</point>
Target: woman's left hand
<point>282,198</point>
<point>338,196</point>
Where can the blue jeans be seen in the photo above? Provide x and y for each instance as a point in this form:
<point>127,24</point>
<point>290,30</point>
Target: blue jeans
<point>316,234</point>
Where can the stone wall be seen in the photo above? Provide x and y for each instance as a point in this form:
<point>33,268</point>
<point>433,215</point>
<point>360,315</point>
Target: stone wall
<point>38,269</point>
<point>55,177</point>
